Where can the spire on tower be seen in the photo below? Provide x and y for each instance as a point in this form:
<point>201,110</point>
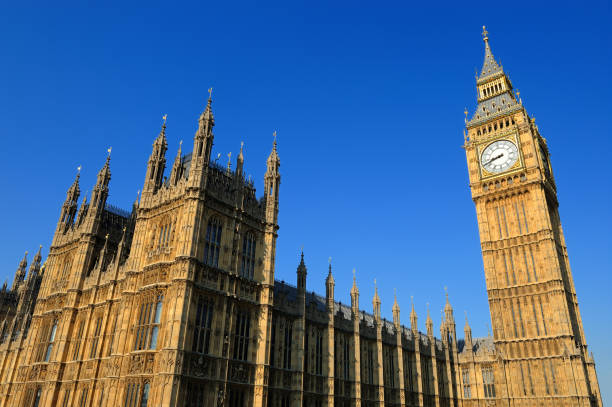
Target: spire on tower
<point>21,271</point>
<point>413,316</point>
<point>301,273</point>
<point>429,322</point>
<point>329,287</point>
<point>396,308</point>
<point>489,66</point>
<point>376,302</point>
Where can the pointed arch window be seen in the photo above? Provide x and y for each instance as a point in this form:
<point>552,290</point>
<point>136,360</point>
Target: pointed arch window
<point>247,267</point>
<point>212,245</point>
<point>148,323</point>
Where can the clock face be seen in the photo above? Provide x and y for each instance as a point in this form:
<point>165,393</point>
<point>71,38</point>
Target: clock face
<point>499,156</point>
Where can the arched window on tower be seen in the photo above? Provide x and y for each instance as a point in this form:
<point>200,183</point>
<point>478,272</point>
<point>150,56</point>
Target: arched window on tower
<point>248,255</point>
<point>213,242</point>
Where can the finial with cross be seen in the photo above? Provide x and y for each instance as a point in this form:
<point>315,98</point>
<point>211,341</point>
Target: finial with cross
<point>210,93</point>
<point>485,33</point>
<point>79,169</point>
<point>109,151</point>
<point>165,117</point>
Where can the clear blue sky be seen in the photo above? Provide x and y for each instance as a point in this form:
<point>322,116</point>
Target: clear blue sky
<point>368,102</point>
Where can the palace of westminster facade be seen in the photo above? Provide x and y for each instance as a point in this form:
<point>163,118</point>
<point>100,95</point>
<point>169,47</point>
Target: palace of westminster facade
<point>175,303</point>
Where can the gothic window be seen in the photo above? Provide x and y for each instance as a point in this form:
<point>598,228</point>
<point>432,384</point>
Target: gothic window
<point>488,381</point>
<point>370,364</point>
<point>248,255</point>
<point>389,369</point>
<point>273,343</point>
<point>203,324</point>
<point>66,398</point>
<point>346,359</point>
<point>46,344</point>
<point>137,395</point>
<point>288,336</point>
<point>37,398</point>
<point>147,327</point>
<point>96,338</point>
<point>77,341</point>
<point>467,390</point>
<point>318,352</point>
<point>213,242</point>
<point>83,399</point>
<point>111,335</point>
<point>241,335</point>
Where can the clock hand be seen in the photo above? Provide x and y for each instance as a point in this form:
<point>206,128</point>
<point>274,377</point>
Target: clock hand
<point>493,159</point>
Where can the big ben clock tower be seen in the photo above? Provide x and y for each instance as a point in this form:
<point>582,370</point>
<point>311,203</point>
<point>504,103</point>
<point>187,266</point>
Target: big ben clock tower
<point>534,310</point>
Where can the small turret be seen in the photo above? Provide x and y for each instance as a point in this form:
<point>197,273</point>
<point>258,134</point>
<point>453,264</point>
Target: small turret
<point>100,190</point>
<point>157,162</point>
<point>448,310</point>
<point>301,275</point>
<point>413,317</point>
<point>376,303</point>
<point>202,145</point>
<point>468,334</point>
<point>355,295</point>
<point>429,323</point>
<point>240,162</point>
<point>271,185</point>
<point>21,272</point>
<point>177,167</point>
<point>396,311</point>
<point>35,266</point>
<point>329,287</point>
<point>69,207</point>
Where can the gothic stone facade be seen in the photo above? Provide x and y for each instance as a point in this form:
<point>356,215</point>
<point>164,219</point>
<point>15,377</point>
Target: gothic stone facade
<point>175,303</point>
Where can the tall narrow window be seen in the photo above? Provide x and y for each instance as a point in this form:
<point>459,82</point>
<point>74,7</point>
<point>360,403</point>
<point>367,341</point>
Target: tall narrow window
<point>144,398</point>
<point>370,365</point>
<point>77,341</point>
<point>488,380</point>
<point>132,394</point>
<point>524,216</point>
<point>248,256</point>
<point>535,275</point>
<point>346,359</point>
<point>51,341</point>
<point>83,400</point>
<point>543,317</point>
<point>526,265</point>
<point>213,242</point>
<point>147,327</point>
<point>66,398</point>
<point>37,398</point>
<point>241,335</point>
<point>273,343</point>
<point>535,317</point>
<point>96,338</point>
<point>203,324</point>
<point>467,389</point>
<point>288,340</point>
<point>319,352</point>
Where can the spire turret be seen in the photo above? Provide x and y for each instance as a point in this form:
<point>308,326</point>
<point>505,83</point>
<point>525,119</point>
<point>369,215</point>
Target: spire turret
<point>355,295</point>
<point>272,184</point>
<point>329,287</point>
<point>376,302</point>
<point>413,317</point>
<point>495,95</point>
<point>70,204</point>
<point>448,309</point>
<point>490,67</point>
<point>240,161</point>
<point>202,145</point>
<point>396,310</point>
<point>21,272</point>
<point>429,323</point>
<point>301,274</point>
<point>177,167</point>
<point>468,334</point>
<point>100,190</point>
<point>157,162</point>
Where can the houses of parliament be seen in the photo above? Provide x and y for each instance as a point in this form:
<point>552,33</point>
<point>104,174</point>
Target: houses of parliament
<point>174,302</point>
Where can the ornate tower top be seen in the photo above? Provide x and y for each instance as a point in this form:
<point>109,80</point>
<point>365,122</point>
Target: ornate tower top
<point>490,66</point>
<point>376,302</point>
<point>396,309</point>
